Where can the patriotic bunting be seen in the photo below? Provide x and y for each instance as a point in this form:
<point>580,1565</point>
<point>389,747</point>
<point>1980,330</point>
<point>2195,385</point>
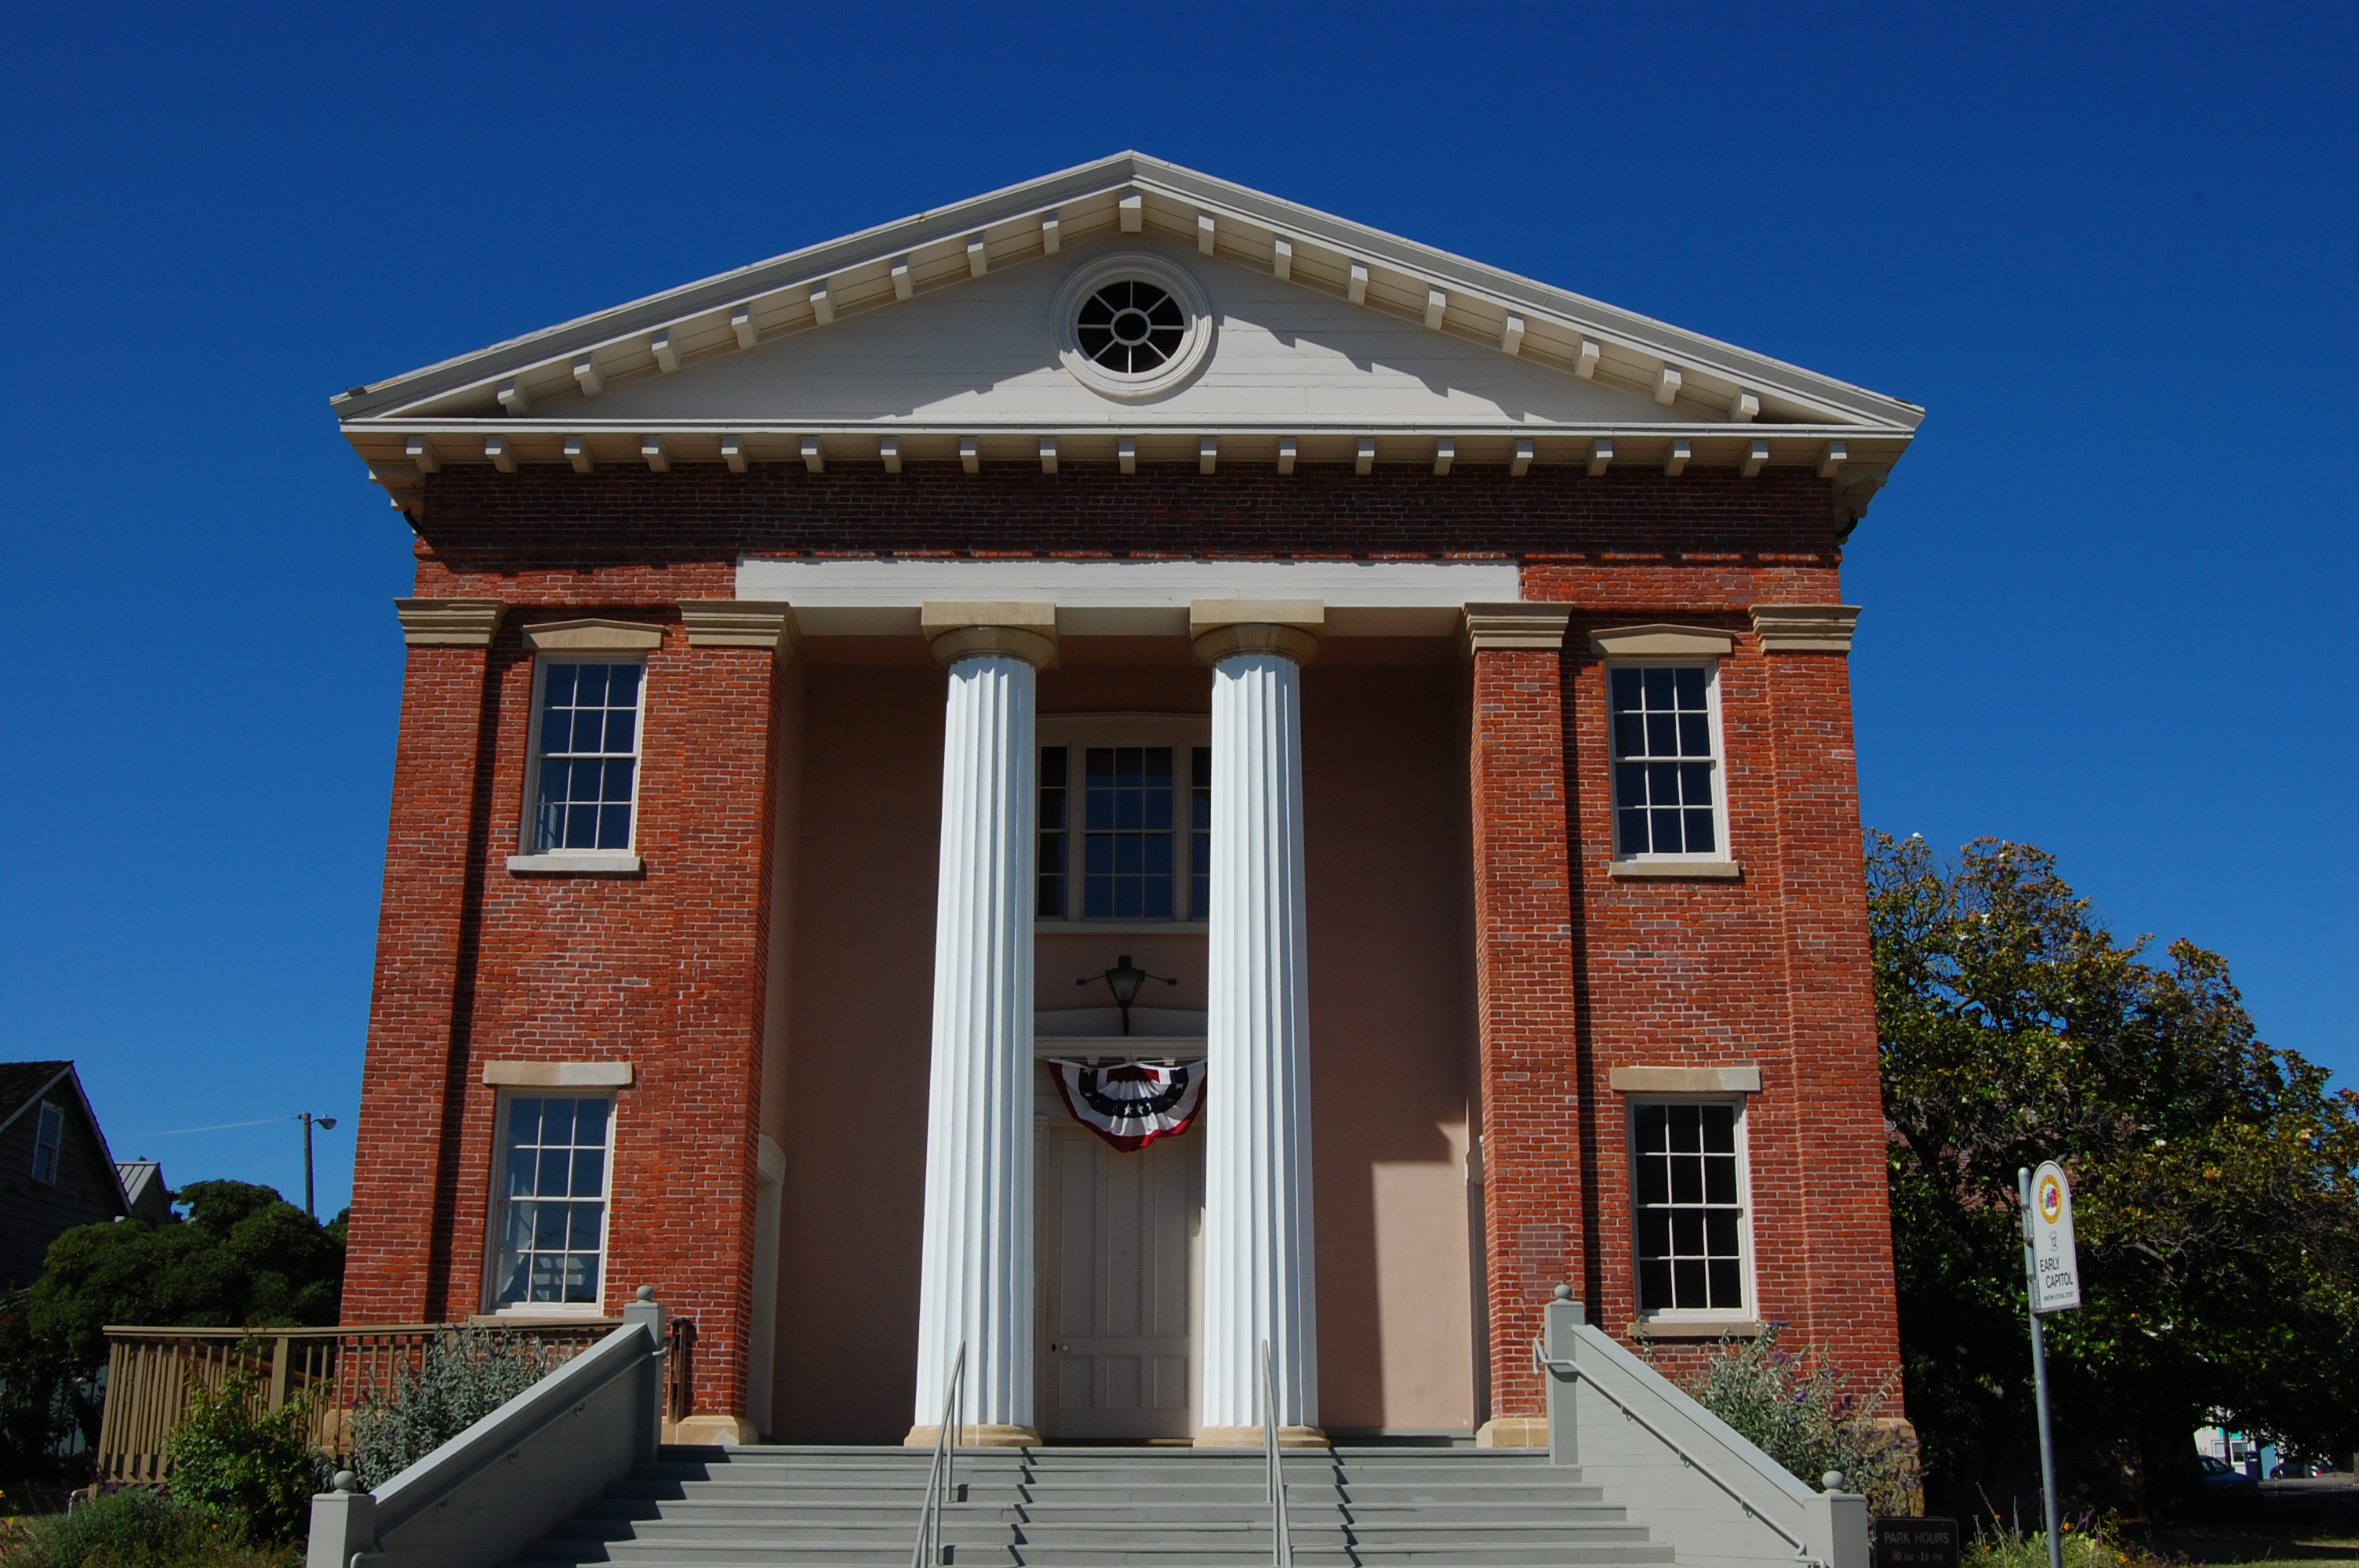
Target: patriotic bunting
<point>1131,1104</point>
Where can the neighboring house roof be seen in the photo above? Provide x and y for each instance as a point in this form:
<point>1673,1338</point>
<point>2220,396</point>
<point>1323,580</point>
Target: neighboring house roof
<point>932,339</point>
<point>143,1190</point>
<point>24,1085</point>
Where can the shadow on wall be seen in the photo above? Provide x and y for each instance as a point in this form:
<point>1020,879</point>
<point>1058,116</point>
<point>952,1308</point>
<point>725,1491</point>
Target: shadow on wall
<point>1389,895</point>
<point>855,1150</point>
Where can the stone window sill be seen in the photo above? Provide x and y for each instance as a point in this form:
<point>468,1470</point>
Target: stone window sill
<point>544,1312</point>
<point>579,862</point>
<point>1696,1328</point>
<point>1656,871</point>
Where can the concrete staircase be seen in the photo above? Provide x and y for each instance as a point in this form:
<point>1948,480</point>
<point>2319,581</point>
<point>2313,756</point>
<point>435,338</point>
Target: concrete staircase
<point>1181,1507</point>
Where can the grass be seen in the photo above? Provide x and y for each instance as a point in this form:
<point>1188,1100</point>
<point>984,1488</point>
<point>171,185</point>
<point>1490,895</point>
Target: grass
<point>2281,1544</point>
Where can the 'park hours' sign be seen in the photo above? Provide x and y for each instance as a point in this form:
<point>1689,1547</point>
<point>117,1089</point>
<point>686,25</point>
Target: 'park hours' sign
<point>2056,1265</point>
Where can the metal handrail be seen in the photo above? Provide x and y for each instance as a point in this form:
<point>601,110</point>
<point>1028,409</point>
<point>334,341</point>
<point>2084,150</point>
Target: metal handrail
<point>1281,1548</point>
<point>940,1484</point>
<point>1752,1509</point>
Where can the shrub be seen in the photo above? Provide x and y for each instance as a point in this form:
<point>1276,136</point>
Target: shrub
<point>252,1471</point>
<point>134,1528</point>
<point>1801,1418</point>
<point>2088,1542</point>
<point>464,1376</point>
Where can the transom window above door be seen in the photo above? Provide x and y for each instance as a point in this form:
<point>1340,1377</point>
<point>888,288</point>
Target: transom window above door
<point>1125,821</point>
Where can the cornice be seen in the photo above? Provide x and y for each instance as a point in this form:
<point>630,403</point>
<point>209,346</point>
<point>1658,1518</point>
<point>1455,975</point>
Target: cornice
<point>1530,628</point>
<point>1805,628</point>
<point>449,623</point>
<point>734,623</point>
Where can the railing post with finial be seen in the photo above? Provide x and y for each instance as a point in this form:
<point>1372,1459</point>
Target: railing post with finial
<point>1563,1318</point>
<point>645,1312</point>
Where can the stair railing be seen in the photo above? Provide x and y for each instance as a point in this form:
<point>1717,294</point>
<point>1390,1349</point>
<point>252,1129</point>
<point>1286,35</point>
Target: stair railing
<point>940,1484</point>
<point>1281,1547</point>
<point>1573,1370</point>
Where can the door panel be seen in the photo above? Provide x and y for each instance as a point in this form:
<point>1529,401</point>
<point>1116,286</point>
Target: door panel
<point>1118,1240</point>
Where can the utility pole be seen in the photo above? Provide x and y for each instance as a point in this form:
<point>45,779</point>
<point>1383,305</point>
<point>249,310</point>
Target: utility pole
<point>327,1123</point>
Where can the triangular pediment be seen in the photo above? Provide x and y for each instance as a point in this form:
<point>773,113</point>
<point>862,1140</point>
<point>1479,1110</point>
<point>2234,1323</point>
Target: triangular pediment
<point>939,337</point>
<point>983,357</point>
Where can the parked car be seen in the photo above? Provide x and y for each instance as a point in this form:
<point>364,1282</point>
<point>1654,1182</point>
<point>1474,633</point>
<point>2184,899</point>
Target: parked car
<point>2222,1479</point>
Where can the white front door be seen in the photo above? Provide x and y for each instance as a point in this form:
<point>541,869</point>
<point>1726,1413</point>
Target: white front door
<point>1119,1238</point>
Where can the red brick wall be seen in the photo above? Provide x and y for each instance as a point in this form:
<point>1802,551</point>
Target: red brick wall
<point>1577,973</point>
<point>399,1248</point>
<point>666,969</point>
<point>1770,969</point>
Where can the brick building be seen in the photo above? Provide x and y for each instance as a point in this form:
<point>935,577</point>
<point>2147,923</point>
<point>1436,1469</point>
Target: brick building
<point>1111,774</point>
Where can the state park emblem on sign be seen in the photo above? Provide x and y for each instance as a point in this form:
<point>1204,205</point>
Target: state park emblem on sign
<point>1131,1104</point>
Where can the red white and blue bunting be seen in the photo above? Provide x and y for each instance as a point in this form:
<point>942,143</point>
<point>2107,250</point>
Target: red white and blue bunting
<point>1131,1104</point>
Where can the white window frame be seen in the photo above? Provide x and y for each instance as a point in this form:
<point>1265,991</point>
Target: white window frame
<point>1723,853</point>
<point>49,1138</point>
<point>527,857</point>
<point>1750,1310</point>
<point>497,1210</point>
<point>1079,731</point>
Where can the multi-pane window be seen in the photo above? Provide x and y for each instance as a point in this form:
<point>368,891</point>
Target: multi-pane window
<point>552,1222</point>
<point>1690,1208</point>
<point>587,762</point>
<point>48,1137</point>
<point>1663,760</point>
<point>1055,835</point>
<point>1124,832</point>
<point>1127,833</point>
<point>1200,832</point>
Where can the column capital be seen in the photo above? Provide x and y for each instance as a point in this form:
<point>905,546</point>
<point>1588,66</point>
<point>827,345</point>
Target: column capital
<point>1491,628</point>
<point>1223,628</point>
<point>1805,628</point>
<point>740,623</point>
<point>965,629</point>
<point>449,623</point>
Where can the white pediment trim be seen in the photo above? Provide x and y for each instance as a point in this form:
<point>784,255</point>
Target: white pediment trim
<point>814,288</point>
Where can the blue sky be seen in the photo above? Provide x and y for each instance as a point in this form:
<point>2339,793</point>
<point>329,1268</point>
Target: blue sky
<point>2111,250</point>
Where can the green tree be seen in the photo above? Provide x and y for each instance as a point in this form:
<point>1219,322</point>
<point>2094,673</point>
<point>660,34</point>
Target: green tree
<point>243,1257</point>
<point>2213,1191</point>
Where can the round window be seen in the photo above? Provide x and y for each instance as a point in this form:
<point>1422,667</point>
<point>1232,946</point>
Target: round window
<point>1132,325</point>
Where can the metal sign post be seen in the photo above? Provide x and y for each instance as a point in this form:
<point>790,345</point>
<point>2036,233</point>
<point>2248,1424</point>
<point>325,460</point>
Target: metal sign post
<point>2051,1275</point>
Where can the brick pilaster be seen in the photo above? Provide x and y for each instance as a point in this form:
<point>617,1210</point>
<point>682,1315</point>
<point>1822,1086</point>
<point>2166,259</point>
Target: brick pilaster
<point>686,1172</point>
<point>1830,995</point>
<point>1523,985</point>
<point>408,1099</point>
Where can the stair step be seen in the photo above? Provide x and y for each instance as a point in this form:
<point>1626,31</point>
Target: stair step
<point>821,1507</point>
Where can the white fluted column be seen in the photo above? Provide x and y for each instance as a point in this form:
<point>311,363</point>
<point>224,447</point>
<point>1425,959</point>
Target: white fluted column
<point>976,1280</point>
<point>1260,1263</point>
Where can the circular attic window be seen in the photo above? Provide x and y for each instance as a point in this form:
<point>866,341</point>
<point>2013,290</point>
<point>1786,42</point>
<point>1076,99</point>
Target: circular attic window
<point>1131,326</point>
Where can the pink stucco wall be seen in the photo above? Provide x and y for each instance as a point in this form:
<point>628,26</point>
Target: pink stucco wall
<point>1390,1006</point>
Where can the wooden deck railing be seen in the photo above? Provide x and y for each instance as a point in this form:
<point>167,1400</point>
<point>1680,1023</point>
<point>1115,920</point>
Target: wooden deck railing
<point>152,1372</point>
